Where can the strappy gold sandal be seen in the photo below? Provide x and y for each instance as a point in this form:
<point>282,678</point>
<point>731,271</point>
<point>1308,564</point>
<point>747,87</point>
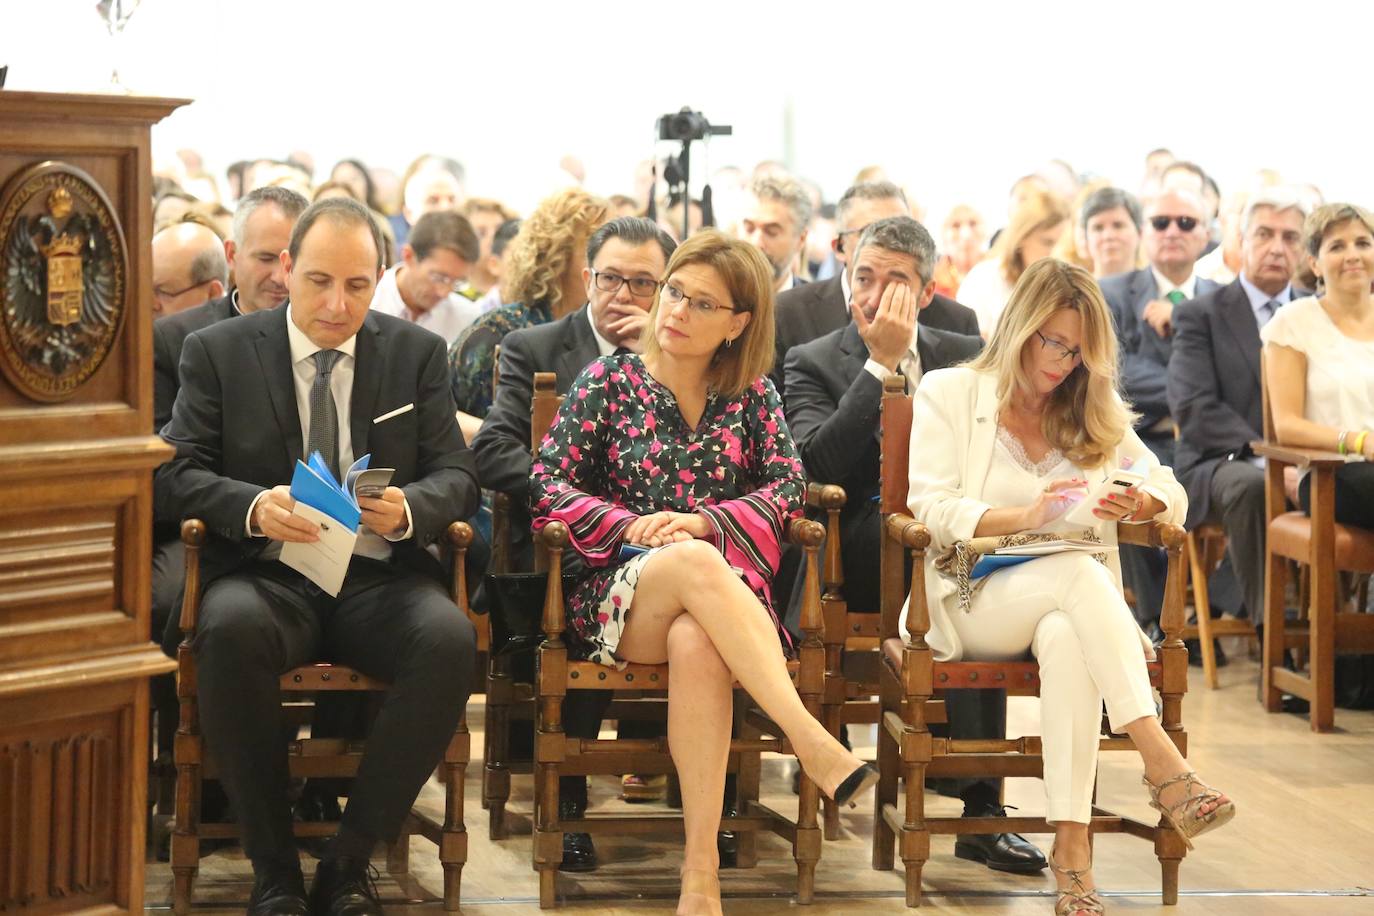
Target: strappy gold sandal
<point>1186,816</point>
<point>700,892</point>
<point>1077,899</point>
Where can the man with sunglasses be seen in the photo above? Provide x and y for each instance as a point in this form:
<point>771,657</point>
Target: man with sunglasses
<point>626,259</point>
<point>834,392</point>
<point>1142,303</point>
<point>817,309</point>
<point>423,287</point>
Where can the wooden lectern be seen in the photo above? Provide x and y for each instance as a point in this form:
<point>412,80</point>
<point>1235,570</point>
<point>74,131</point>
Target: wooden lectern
<point>77,456</point>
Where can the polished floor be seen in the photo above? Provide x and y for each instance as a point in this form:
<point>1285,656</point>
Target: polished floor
<point>1302,841</point>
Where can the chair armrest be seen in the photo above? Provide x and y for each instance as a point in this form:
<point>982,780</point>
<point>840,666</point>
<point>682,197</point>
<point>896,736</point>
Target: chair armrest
<point>825,496</point>
<point>805,533</point>
<point>193,537</point>
<point>460,536</point>
<point>908,532</point>
<point>552,538</point>
<point>1154,534</point>
<point>1301,458</point>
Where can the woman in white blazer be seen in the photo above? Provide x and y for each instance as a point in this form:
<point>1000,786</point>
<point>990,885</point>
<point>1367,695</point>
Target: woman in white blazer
<point>1007,445</point>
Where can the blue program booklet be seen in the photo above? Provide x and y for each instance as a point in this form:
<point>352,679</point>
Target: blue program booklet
<point>334,510</point>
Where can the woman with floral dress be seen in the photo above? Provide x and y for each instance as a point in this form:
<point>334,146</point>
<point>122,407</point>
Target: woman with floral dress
<point>683,451</point>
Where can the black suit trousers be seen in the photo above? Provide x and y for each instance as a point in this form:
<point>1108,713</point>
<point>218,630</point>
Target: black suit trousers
<point>395,625</point>
<point>1238,504</point>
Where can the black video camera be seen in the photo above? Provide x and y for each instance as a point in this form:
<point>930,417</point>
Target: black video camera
<point>689,125</point>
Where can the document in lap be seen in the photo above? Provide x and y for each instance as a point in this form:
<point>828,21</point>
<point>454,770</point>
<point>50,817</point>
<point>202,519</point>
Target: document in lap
<point>996,557</point>
<point>334,509</point>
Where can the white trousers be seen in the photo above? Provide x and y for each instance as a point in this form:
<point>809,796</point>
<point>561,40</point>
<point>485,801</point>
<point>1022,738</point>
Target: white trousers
<point>1067,610</point>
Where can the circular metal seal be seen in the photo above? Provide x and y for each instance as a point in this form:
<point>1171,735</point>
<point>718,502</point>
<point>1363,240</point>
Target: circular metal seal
<point>63,280</point>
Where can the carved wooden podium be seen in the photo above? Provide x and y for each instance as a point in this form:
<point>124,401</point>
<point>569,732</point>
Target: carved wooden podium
<point>76,463</point>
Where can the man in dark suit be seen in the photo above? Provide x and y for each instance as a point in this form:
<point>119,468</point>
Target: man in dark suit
<point>262,228</point>
<point>1142,303</point>
<point>817,309</point>
<point>834,392</point>
<point>1214,385</point>
<point>258,394</point>
<point>627,258</point>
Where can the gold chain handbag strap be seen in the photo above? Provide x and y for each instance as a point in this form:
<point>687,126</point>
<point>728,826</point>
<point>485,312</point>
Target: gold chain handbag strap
<point>958,560</point>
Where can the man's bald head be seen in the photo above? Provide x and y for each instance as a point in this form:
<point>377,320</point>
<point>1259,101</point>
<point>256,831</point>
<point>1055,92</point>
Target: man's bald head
<point>188,268</point>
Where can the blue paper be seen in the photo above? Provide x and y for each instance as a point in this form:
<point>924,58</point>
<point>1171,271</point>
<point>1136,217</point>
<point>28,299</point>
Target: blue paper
<point>990,563</point>
<point>314,485</point>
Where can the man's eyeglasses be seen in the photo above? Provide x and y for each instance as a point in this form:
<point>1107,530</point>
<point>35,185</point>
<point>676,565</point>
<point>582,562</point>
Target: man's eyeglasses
<point>839,237</point>
<point>673,296</point>
<point>639,286</point>
<point>1057,350</point>
<point>164,295</point>
<point>452,284</point>
<point>1185,223</point>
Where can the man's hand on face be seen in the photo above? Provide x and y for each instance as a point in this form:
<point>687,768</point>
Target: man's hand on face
<point>626,325</point>
<point>890,333</point>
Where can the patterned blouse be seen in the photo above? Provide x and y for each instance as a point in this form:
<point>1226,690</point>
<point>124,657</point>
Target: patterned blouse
<point>620,448</point>
<point>473,355</point>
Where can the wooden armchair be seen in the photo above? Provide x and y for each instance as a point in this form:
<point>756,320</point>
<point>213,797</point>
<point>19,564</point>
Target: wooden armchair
<point>508,698</point>
<point>556,754</point>
<point>912,681</point>
<point>1325,548</point>
<point>851,640</point>
<point>309,757</point>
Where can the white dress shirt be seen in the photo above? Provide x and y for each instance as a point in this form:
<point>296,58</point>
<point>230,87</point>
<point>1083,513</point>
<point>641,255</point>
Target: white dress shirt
<point>369,544</point>
<point>1165,286</point>
<point>449,318</point>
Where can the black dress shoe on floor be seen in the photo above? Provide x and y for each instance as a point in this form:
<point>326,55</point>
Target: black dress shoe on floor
<point>316,806</point>
<point>344,886</point>
<point>1009,852</point>
<point>727,842</point>
<point>1194,648</point>
<point>579,855</point>
<point>278,892</point>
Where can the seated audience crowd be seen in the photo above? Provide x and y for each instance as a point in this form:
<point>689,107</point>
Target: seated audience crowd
<point>705,380</point>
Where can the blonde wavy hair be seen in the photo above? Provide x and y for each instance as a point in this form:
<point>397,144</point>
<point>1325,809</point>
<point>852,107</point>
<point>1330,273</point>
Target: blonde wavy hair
<point>749,278</point>
<point>546,244</point>
<point>1039,212</point>
<point>1085,418</point>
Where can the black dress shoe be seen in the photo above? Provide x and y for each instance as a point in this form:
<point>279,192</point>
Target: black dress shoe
<point>1008,852</point>
<point>1194,648</point>
<point>579,855</point>
<point>278,892</point>
<point>316,806</point>
<point>727,842</point>
<point>344,886</point>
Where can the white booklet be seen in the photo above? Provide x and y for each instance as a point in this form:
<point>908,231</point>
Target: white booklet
<point>324,562</point>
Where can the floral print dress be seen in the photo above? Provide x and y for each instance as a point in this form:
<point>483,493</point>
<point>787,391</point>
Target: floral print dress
<point>473,355</point>
<point>619,448</point>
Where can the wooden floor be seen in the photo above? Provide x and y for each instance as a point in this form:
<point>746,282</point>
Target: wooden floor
<point>1302,841</point>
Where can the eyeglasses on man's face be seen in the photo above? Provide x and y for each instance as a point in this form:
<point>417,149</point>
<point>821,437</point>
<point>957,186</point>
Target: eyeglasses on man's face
<point>163,295</point>
<point>674,296</point>
<point>610,283</point>
<point>444,281</point>
<point>1058,351</point>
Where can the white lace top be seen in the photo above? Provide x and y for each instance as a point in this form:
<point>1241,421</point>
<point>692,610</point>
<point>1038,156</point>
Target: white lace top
<point>1015,480</point>
<point>1340,371</point>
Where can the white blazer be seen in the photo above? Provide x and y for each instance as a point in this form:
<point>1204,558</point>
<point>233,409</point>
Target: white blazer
<point>953,433</point>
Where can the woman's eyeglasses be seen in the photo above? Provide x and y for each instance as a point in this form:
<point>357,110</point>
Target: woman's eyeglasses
<point>1058,350</point>
<point>673,296</point>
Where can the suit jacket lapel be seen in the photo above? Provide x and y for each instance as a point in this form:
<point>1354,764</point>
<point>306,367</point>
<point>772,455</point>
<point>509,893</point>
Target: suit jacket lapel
<point>274,357</point>
<point>1143,290</point>
<point>1233,307</point>
<point>982,435</point>
<point>367,379</point>
<point>579,348</point>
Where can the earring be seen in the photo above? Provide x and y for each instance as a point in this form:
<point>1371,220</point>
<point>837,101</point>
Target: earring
<point>729,342</point>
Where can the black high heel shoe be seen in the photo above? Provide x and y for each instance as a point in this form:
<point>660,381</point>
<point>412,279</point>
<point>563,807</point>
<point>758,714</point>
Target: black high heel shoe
<point>855,784</point>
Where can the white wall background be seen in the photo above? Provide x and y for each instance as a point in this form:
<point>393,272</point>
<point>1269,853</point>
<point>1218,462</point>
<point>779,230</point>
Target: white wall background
<point>955,99</point>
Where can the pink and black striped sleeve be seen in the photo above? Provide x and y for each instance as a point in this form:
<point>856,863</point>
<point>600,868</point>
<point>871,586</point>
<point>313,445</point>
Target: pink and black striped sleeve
<point>566,468</point>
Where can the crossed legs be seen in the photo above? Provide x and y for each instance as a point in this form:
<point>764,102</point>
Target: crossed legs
<point>691,610</point>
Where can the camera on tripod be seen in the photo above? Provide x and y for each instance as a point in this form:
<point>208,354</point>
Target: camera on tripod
<point>687,125</point>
